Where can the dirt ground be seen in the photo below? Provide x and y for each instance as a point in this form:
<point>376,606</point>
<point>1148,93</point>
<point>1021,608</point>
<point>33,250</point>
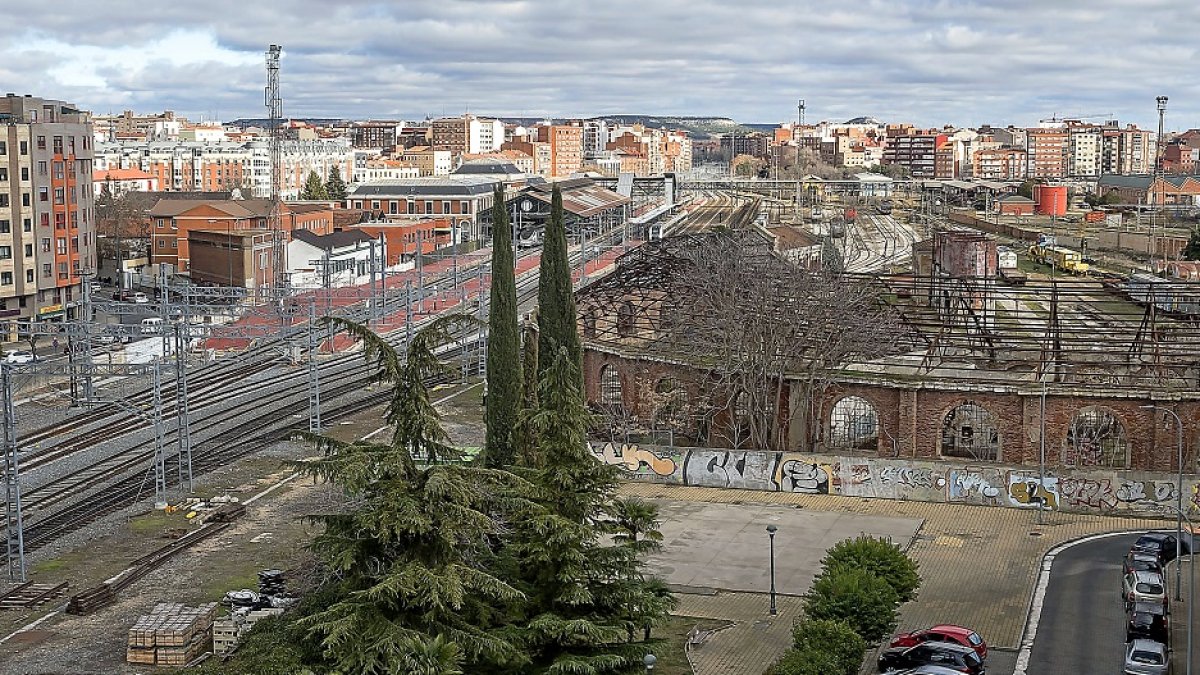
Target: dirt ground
<point>272,534</point>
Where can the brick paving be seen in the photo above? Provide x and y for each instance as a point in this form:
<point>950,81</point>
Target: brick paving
<point>978,567</point>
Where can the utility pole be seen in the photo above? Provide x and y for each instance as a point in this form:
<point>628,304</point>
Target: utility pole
<point>14,525</point>
<point>160,450</point>
<point>183,425</point>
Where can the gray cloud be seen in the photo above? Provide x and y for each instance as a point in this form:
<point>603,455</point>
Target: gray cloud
<point>925,61</point>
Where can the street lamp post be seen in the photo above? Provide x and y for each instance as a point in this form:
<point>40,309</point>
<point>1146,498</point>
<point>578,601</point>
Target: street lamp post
<point>1178,489</point>
<point>771,530</point>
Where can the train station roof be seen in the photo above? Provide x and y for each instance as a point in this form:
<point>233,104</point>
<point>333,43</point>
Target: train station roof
<point>581,197</point>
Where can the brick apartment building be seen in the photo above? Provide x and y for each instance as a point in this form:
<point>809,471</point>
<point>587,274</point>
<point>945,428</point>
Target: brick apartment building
<point>1047,152</point>
<point>566,148</point>
<point>47,216</point>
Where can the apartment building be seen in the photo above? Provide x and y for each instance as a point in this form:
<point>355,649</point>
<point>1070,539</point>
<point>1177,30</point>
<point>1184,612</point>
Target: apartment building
<point>120,181</point>
<point>375,134</point>
<point>1047,149</point>
<point>915,152</point>
<point>566,148</point>
<point>428,161</point>
<point>466,134</point>
<point>1084,145</point>
<point>653,152</point>
<point>1000,164</point>
<point>384,169</point>
<point>47,216</point>
<point>183,166</point>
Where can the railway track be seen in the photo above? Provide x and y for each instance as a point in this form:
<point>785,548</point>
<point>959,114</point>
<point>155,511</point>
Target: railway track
<point>112,483</point>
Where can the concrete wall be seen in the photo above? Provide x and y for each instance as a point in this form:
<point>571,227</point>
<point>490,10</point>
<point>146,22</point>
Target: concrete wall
<point>1136,493</point>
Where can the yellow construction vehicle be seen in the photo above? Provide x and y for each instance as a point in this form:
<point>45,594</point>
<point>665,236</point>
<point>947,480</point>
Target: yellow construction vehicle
<point>1048,252</point>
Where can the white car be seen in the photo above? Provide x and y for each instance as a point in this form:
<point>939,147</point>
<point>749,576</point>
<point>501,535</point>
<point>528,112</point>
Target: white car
<point>19,357</point>
<point>140,298</point>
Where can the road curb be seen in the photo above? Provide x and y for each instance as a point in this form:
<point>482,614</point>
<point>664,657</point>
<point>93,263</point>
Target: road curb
<point>1039,594</point>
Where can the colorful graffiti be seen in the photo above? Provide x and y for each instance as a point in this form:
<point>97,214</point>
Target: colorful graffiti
<point>1078,490</point>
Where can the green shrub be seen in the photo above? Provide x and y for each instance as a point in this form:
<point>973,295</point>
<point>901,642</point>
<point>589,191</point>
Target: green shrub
<point>859,598</point>
<point>836,640</point>
<point>880,557</point>
<point>795,662</point>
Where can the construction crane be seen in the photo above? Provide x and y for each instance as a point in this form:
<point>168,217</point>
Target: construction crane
<point>274,102</point>
<point>1055,119</point>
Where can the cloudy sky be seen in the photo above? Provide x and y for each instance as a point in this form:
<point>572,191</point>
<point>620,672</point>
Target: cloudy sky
<point>925,61</point>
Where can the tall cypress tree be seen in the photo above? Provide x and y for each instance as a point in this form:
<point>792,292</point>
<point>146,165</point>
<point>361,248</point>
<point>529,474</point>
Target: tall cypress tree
<point>504,346</point>
<point>335,187</point>
<point>524,437</point>
<point>556,298</point>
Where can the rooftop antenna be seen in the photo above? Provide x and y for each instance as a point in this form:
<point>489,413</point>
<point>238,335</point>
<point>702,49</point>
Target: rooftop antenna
<point>800,113</point>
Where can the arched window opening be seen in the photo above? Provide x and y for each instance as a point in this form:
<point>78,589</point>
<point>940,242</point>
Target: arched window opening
<point>853,425</point>
<point>971,432</point>
<point>1096,437</point>
<point>625,319</point>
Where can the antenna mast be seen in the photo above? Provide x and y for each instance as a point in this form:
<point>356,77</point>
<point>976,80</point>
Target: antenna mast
<point>274,104</point>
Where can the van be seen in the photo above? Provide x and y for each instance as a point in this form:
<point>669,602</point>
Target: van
<point>152,326</point>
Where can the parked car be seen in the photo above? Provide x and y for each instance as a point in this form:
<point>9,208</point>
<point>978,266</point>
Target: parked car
<point>19,357</point>
<point>123,296</point>
<point>943,633</point>
<point>1147,620</point>
<point>140,298</point>
<point>927,670</point>
<point>1160,544</point>
<point>1146,657</point>
<point>1143,587</point>
<point>1141,562</point>
<point>948,654</point>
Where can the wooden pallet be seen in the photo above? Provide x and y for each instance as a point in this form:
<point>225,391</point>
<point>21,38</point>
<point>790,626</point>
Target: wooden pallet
<point>30,594</point>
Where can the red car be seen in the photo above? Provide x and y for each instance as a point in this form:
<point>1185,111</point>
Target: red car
<point>943,633</point>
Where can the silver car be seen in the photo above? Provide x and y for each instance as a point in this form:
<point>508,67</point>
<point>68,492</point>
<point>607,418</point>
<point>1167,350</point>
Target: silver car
<point>1143,586</point>
<point>1146,657</point>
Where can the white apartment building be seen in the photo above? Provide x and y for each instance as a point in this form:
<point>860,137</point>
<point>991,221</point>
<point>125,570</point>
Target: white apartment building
<point>485,135</point>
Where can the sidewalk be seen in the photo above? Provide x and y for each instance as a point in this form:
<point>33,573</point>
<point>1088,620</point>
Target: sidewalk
<point>978,568</point>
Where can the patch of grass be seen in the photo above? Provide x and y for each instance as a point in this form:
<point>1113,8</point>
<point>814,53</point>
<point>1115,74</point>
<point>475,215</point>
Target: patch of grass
<point>673,659</point>
<point>244,575</point>
<point>50,566</point>
<point>157,521</point>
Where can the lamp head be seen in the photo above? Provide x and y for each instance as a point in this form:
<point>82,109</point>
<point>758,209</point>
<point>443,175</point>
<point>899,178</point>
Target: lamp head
<point>649,660</point>
<point>772,529</point>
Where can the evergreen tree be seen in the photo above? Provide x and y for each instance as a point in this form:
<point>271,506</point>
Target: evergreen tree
<point>410,562</point>
<point>504,349</point>
<point>525,439</point>
<point>313,187</point>
<point>556,297</point>
<point>586,596</point>
<point>335,187</point>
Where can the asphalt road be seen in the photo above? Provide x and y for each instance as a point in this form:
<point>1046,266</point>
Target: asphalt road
<point>1081,629</point>
<point>1082,625</point>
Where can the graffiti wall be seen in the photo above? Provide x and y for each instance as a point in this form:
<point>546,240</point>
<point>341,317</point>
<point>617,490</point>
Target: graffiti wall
<point>1134,493</point>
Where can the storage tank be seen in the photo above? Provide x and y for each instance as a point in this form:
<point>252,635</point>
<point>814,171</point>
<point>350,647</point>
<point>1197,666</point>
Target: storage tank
<point>1050,200</point>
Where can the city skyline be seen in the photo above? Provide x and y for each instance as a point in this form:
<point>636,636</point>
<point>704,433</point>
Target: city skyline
<point>922,61</point>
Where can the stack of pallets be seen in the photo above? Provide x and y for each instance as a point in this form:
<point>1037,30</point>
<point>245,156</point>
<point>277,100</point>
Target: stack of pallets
<point>171,635</point>
<point>228,632</point>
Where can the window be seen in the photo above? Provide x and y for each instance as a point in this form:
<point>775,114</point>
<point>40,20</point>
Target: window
<point>27,225</point>
<point>58,144</point>
<point>464,207</point>
<point>75,244</point>
<point>41,168</point>
<point>29,276</point>
<point>60,195</point>
<point>5,252</point>
<point>3,200</point>
<point>428,207</point>
<point>71,147</point>
<point>3,174</point>
<point>25,174</point>
<point>375,206</point>
<point>43,194</point>
<point>5,227</point>
<point>61,245</point>
<point>47,271</point>
<point>45,244</point>
<point>6,278</point>
<point>28,250</point>
<point>25,199</point>
<point>174,243</point>
<point>445,207</point>
<point>3,148</point>
<point>45,220</point>
<point>41,142</point>
<point>24,147</point>
<point>159,223</point>
<point>162,243</point>
<point>58,170</point>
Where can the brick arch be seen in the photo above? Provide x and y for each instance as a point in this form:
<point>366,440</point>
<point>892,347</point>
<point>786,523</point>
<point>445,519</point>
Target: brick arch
<point>967,428</point>
<point>1091,440</point>
<point>838,435</point>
